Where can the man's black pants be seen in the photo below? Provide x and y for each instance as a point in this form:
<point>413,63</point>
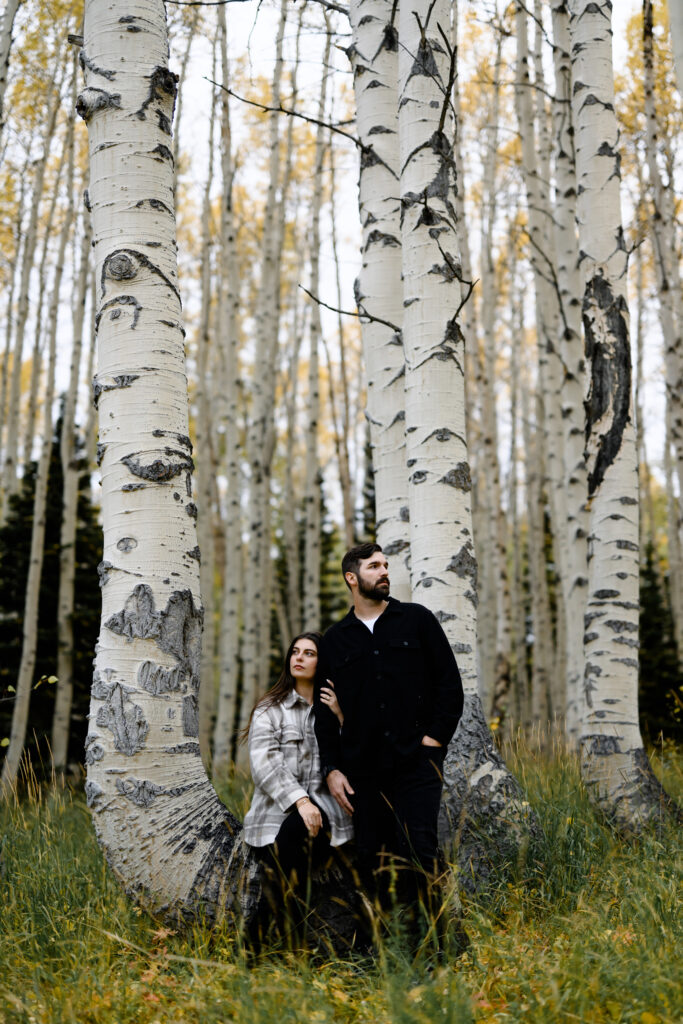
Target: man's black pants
<point>395,821</point>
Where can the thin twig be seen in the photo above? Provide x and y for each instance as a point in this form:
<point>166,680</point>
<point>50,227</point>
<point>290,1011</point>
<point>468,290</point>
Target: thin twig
<point>283,110</point>
<point>361,312</point>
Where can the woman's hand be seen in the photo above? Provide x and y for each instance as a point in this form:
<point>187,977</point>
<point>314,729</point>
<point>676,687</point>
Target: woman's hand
<point>311,816</point>
<point>329,697</point>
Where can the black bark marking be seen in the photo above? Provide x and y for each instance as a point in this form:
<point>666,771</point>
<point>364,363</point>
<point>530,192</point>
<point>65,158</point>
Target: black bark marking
<point>140,792</point>
<point>458,477</point>
<point>180,438</point>
<point>122,381</point>
<point>164,154</point>
<point>609,358</point>
<point>125,264</point>
<point>155,204</point>
<point>125,720</point>
<point>119,300</point>
<point>162,88</point>
<point>404,514</point>
<point>103,570</point>
<point>101,449</point>
<point>184,748</point>
<point>195,553</point>
<point>383,238</point>
<point>94,751</point>
<point>424,62</point>
<point>190,715</point>
<point>89,65</point>
<point>597,745</point>
<point>444,616</point>
<point>604,595</point>
<point>191,510</point>
<point>441,434</point>
<point>464,564</point>
<point>618,626</point>
<point>160,469</point>
<point>92,100</point>
<point>157,679</point>
<point>418,477</point>
<point>627,545</point>
<point>93,792</point>
<point>396,547</point>
<point>133,487</point>
<point>127,544</point>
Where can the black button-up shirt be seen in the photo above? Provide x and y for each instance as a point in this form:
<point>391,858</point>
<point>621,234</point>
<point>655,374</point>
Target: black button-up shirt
<point>394,686</point>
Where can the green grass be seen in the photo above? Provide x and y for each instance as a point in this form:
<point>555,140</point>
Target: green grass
<point>586,931</point>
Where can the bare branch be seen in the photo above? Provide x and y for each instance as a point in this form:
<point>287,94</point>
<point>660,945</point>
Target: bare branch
<point>360,313</point>
<point>283,110</point>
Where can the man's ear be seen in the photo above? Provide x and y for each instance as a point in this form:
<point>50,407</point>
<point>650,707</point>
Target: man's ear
<point>351,579</point>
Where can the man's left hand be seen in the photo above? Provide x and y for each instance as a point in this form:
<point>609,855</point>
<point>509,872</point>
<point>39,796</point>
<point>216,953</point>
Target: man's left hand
<point>429,741</point>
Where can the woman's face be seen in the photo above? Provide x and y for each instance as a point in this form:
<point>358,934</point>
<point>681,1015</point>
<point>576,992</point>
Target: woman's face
<point>303,660</point>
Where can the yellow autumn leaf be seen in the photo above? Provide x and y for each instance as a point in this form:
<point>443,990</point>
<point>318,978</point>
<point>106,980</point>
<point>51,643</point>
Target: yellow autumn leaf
<point>52,679</point>
<point>649,1018</point>
<point>4,742</point>
<point>10,689</point>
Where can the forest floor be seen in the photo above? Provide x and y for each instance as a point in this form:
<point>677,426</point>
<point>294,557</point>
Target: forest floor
<point>587,930</point>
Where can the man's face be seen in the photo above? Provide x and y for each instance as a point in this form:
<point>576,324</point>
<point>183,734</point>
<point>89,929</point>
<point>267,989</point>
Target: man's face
<point>373,577</point>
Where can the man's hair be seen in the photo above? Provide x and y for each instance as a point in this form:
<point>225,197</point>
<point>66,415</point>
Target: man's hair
<point>355,555</point>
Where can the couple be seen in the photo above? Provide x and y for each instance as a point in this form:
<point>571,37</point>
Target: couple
<point>350,742</point>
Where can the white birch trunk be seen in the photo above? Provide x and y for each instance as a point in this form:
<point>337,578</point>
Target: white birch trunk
<point>25,676</point>
<point>615,767</point>
<point>67,539</point>
<point>165,833</point>
<point>205,469</point>
<point>313,483</point>
<point>9,469</point>
<point>256,632</point>
<point>9,323</point>
<point>228,643</point>
<point>664,244</point>
<point>575,567</point>
<point>374,59</point>
<point>676,28</point>
<point>11,8</point>
<point>480,798</point>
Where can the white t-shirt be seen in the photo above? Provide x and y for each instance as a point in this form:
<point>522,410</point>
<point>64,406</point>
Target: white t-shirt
<point>370,623</point>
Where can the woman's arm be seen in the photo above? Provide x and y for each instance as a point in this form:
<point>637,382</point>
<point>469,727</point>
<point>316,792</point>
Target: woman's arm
<point>269,769</point>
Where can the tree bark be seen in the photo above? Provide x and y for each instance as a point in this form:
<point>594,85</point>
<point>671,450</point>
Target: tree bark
<point>11,8</point>
<point>615,767</point>
<point>374,59</point>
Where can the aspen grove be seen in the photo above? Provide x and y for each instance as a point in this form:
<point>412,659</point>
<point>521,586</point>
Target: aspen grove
<point>279,280</point>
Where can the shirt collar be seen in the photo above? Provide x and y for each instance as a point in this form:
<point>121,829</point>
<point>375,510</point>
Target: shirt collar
<point>293,698</point>
<point>351,617</point>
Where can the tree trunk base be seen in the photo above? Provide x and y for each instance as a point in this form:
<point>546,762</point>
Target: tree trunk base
<point>485,818</point>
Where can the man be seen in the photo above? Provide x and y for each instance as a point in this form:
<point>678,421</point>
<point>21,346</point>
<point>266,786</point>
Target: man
<point>401,697</point>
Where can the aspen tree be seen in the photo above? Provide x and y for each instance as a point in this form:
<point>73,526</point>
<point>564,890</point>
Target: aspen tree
<point>574,576</point>
<point>67,538</point>
<point>228,303</point>
<point>29,643</point>
<point>166,835</point>
<point>615,767</point>
<point>36,355</point>
<point>9,323</point>
<point>313,483</point>
<point>443,562</point>
<point>675,12</point>
<point>6,25</point>
<point>260,434</point>
<point>374,60</point>
<point>9,469</point>
<point>204,460</point>
<point>662,222</point>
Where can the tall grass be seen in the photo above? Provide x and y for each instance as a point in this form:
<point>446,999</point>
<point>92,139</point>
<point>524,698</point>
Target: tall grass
<point>585,930</point>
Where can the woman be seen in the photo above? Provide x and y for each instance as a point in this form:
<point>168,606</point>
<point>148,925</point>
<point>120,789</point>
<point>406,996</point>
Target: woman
<point>293,820</point>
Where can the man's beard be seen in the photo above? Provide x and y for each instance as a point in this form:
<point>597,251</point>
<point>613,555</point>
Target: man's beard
<point>376,593</point>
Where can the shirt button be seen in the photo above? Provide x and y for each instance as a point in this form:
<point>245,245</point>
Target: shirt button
<point>375,652</point>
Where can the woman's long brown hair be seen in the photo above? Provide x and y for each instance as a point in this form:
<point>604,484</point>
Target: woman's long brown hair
<point>285,683</point>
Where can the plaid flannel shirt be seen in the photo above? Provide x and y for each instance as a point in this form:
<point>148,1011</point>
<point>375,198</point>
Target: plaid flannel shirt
<point>285,765</point>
